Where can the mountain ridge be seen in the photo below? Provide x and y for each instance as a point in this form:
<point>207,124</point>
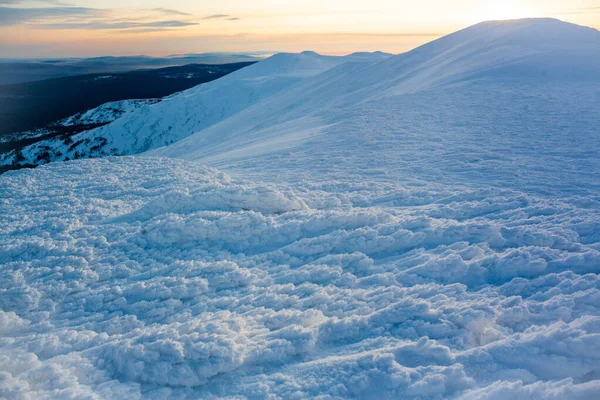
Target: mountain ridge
<point>347,99</point>
<point>487,53</point>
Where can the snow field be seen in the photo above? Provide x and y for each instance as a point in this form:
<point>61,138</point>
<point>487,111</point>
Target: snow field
<point>145,277</point>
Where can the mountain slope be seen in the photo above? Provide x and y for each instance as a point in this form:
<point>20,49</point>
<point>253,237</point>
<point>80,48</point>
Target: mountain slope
<point>474,107</point>
<point>61,131</point>
<point>55,99</point>
<point>185,113</point>
<point>520,50</point>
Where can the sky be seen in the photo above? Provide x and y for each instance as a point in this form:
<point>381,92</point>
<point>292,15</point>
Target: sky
<point>56,28</point>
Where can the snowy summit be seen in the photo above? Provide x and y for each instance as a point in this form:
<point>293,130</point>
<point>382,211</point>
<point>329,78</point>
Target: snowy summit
<point>418,226</point>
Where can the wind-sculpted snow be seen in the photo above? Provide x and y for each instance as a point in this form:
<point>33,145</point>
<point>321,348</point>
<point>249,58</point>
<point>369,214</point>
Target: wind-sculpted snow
<point>134,277</point>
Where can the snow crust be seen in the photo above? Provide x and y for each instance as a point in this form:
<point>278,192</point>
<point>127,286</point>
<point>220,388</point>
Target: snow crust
<point>144,277</point>
<point>381,230</point>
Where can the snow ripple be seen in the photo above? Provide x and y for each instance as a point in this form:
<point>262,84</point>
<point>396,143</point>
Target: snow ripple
<point>154,278</point>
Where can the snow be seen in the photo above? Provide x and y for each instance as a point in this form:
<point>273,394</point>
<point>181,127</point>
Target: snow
<point>102,114</point>
<point>12,137</point>
<point>180,281</point>
<point>107,112</point>
<point>150,125</point>
<point>380,230</point>
<point>440,113</point>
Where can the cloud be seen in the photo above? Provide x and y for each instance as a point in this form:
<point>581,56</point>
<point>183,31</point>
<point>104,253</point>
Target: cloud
<point>64,17</point>
<point>217,16</point>
<point>53,2</point>
<point>169,11</point>
<point>103,25</point>
<point>15,16</point>
<point>222,16</point>
<point>70,17</point>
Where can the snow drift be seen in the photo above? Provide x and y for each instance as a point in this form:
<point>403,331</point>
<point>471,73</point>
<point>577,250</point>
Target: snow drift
<point>151,277</point>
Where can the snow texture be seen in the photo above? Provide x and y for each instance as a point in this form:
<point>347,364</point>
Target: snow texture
<point>149,277</point>
<point>391,230</point>
<point>104,114</point>
<point>107,112</point>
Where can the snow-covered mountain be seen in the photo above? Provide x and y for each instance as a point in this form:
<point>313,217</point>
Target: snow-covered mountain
<point>188,112</point>
<point>426,226</point>
<point>103,114</point>
<point>14,71</point>
<point>107,112</point>
<point>510,103</point>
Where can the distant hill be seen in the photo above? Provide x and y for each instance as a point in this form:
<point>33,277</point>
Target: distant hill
<point>183,114</point>
<point>34,105</point>
<point>28,70</point>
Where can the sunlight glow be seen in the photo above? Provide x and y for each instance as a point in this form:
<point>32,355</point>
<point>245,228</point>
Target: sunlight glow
<point>49,28</point>
<point>502,10</point>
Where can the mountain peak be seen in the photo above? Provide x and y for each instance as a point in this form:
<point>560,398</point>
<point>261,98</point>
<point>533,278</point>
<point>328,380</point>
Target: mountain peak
<point>522,49</point>
<point>540,21</point>
<point>538,32</point>
<point>310,53</point>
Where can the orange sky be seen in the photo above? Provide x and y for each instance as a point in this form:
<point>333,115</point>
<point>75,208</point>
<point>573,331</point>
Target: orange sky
<point>48,28</point>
